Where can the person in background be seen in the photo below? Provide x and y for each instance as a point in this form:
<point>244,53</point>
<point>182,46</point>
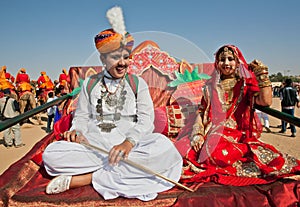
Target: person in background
<point>64,82</point>
<point>8,76</point>
<point>44,82</point>
<point>50,112</point>
<point>6,80</point>
<point>289,99</point>
<point>59,107</point>
<point>265,119</point>
<point>23,81</point>
<point>9,108</point>
<point>116,115</point>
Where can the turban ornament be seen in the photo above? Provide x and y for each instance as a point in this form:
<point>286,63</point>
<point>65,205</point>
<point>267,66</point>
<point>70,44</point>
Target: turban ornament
<point>116,37</point>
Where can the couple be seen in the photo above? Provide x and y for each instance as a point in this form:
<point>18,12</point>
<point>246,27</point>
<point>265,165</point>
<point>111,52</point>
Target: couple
<point>118,117</point>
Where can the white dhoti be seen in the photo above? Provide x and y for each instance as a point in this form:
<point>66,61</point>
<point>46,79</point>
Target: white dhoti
<point>154,152</point>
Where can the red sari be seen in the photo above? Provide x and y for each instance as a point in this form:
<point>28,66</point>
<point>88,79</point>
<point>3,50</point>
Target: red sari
<point>232,153</point>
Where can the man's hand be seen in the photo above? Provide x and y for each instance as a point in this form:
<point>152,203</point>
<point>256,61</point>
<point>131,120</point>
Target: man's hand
<point>119,151</point>
<point>74,136</point>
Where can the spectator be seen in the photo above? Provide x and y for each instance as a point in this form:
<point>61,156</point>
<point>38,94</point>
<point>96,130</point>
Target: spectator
<point>50,112</point>
<point>265,119</point>
<point>9,108</point>
<point>289,98</point>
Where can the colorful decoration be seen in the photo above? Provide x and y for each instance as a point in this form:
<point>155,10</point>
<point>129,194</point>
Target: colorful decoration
<point>187,77</point>
<point>152,56</point>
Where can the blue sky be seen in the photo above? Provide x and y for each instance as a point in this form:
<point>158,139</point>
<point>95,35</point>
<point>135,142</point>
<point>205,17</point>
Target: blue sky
<point>53,34</point>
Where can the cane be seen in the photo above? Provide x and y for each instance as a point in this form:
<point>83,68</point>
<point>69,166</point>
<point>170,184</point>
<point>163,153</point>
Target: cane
<point>138,166</point>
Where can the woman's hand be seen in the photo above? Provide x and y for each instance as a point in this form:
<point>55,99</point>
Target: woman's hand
<point>119,151</point>
<point>197,142</point>
<point>74,136</point>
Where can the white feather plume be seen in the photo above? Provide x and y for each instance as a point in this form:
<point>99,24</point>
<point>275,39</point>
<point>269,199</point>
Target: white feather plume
<point>116,20</point>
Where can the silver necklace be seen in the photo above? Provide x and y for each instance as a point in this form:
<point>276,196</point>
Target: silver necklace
<point>113,101</point>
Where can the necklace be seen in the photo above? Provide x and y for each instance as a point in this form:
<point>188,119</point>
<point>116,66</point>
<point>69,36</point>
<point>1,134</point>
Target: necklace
<point>225,92</point>
<point>113,101</point>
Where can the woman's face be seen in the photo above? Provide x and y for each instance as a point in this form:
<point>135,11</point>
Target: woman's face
<point>116,62</point>
<point>227,63</point>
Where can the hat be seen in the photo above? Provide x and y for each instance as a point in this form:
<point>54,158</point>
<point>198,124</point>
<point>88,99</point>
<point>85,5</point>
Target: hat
<point>112,39</point>
<point>108,41</point>
<point>4,67</point>
<point>43,73</point>
<point>23,70</point>
<point>6,91</point>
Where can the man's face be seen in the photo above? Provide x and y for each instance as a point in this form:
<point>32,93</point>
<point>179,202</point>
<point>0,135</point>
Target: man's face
<point>116,62</point>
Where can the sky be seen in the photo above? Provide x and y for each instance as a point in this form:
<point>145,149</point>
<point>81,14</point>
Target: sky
<point>49,35</point>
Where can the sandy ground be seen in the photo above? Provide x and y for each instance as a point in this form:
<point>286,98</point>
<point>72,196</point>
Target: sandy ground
<point>32,133</point>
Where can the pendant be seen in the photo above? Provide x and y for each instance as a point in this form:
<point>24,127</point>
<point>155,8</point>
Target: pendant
<point>111,100</point>
<point>106,127</point>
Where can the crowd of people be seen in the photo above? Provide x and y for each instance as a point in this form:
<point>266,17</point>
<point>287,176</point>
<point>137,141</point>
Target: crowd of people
<point>22,81</point>
<point>21,91</point>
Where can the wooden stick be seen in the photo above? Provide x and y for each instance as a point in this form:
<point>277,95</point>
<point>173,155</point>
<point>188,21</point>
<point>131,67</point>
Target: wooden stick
<point>136,165</point>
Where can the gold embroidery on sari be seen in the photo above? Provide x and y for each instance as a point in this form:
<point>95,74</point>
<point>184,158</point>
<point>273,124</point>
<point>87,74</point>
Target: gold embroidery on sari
<point>230,123</point>
<point>264,155</point>
<point>246,169</point>
<point>289,163</point>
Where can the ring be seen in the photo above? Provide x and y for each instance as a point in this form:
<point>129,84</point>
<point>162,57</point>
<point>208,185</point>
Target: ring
<point>121,153</point>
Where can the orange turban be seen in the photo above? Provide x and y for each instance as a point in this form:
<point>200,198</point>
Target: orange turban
<point>108,41</point>
<point>43,73</point>
<point>64,71</point>
<point>23,70</point>
<point>4,67</point>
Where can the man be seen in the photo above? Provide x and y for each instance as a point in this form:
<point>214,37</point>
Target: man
<point>6,79</point>
<point>50,112</point>
<point>64,81</point>
<point>23,81</point>
<point>289,98</point>
<point>9,108</point>
<point>116,116</point>
<point>44,82</point>
<point>8,76</point>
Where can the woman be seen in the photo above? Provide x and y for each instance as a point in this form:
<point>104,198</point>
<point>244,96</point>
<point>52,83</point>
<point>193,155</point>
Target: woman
<point>111,116</point>
<point>225,134</point>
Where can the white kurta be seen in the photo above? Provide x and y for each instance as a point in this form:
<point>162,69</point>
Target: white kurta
<point>152,150</point>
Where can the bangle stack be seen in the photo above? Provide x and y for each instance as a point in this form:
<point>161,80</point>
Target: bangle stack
<point>261,72</point>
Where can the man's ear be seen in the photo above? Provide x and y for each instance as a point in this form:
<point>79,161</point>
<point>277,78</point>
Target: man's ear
<point>102,58</point>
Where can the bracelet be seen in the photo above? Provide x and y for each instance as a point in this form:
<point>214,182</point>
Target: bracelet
<point>131,140</point>
<point>258,68</point>
<point>265,83</point>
